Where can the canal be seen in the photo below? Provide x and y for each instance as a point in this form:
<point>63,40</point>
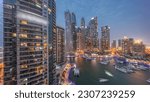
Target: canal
<point>91,71</point>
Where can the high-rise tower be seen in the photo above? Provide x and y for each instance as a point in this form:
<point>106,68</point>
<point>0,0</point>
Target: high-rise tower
<point>29,40</point>
<point>105,39</point>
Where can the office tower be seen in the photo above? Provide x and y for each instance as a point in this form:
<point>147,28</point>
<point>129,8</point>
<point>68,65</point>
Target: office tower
<point>28,44</point>
<point>93,30</point>
<point>70,32</point>
<point>105,39</point>
<point>114,44</point>
<point>120,43</point>
<point>52,41</point>
<point>60,54</point>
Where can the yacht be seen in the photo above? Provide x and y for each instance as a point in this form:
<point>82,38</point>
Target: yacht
<point>76,72</point>
<point>102,80</point>
<point>119,61</point>
<point>141,67</point>
<point>121,69</point>
<point>104,62</point>
<point>109,74</point>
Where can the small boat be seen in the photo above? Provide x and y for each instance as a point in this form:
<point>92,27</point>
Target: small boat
<point>121,69</point>
<point>141,67</point>
<point>76,72</point>
<point>102,80</point>
<point>104,62</point>
<point>109,74</point>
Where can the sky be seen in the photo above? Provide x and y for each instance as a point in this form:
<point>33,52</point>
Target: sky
<point>125,17</point>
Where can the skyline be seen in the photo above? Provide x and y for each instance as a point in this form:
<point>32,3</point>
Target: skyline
<point>124,19</point>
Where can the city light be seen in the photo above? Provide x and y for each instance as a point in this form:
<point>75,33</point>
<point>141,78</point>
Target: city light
<point>137,41</point>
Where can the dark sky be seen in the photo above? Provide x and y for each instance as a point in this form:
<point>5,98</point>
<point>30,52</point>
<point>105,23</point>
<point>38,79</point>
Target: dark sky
<point>125,17</point>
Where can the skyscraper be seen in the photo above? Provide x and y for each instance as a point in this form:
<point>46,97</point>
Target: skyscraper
<point>93,33</point>
<point>60,54</point>
<point>52,41</point>
<point>83,33</point>
<point>73,31</point>
<point>28,41</point>
<point>105,39</point>
<point>70,34</point>
<point>79,39</point>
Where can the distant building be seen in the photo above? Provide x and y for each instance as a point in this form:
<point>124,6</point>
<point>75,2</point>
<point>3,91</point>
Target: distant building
<point>79,39</point>
<point>83,33</point>
<point>120,43</point>
<point>82,22</point>
<point>127,44</point>
<point>114,44</point>
<point>138,48</point>
<point>105,39</point>
<point>60,54</point>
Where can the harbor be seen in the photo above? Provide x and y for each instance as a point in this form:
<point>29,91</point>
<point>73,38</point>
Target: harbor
<point>109,72</point>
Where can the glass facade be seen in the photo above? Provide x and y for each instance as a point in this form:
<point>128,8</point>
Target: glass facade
<point>1,24</point>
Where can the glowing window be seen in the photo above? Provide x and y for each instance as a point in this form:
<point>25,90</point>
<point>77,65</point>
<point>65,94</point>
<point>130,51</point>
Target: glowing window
<point>24,44</point>
<point>24,22</point>
<point>23,66</point>
<point>14,34</point>
<point>23,35</point>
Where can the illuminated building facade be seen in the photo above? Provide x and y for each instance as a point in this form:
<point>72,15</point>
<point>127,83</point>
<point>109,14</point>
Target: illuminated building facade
<point>105,39</point>
<point>52,41</point>
<point>60,54</point>
<point>73,31</point>
<point>138,48</point>
<point>79,39</point>
<point>127,44</point>
<point>27,45</point>
<point>93,33</point>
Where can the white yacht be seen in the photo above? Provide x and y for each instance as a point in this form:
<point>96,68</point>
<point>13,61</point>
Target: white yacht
<point>102,80</point>
<point>109,74</point>
<point>76,72</point>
